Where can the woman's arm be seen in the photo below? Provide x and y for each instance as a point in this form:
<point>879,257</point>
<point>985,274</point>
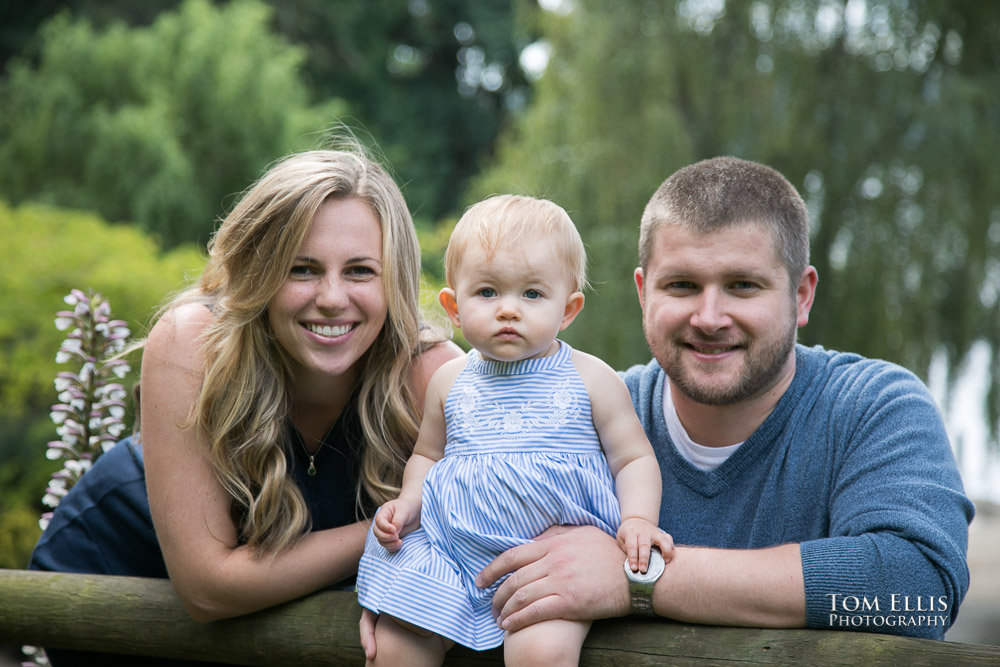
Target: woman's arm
<point>213,576</point>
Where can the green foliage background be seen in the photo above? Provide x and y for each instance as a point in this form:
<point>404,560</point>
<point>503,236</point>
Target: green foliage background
<point>158,125</point>
<point>153,116</point>
<point>887,130</point>
<point>45,253</point>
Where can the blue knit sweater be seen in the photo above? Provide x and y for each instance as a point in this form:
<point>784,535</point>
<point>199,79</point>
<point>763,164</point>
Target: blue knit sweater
<point>853,464</point>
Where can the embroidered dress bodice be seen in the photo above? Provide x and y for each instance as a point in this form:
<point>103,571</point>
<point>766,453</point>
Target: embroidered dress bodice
<point>535,404</point>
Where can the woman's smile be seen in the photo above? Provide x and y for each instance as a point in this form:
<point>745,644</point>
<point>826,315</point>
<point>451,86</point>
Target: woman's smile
<point>332,305</point>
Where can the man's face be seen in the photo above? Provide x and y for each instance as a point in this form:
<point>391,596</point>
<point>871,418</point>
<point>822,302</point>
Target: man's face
<point>720,313</point>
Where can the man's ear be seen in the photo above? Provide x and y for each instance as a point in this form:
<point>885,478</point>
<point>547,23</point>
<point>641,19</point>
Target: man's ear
<point>639,277</point>
<point>804,295</point>
<point>574,304</point>
<point>447,298</point>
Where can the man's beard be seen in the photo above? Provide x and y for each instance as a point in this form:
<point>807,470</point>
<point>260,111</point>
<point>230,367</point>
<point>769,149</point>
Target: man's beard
<point>763,363</point>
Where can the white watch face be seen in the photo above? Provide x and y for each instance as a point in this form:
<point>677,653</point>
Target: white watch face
<point>652,572</point>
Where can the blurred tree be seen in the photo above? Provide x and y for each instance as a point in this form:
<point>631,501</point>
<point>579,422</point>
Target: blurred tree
<point>885,114</point>
<point>20,21</point>
<point>157,125</point>
<point>430,80</point>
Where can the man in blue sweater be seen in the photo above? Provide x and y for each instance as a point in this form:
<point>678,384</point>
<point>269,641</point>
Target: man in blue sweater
<point>803,487</point>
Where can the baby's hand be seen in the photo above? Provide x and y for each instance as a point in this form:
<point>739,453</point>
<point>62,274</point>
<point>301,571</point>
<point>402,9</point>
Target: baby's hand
<point>636,536</point>
<point>396,519</point>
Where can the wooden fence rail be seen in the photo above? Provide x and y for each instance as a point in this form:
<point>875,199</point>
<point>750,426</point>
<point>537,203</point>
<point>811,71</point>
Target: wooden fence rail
<point>144,617</point>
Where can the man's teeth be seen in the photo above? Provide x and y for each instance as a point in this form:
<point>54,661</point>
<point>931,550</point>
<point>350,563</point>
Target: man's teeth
<point>329,332</point>
<point>704,350</point>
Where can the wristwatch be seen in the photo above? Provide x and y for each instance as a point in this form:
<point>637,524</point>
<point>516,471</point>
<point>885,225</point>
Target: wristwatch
<point>640,584</point>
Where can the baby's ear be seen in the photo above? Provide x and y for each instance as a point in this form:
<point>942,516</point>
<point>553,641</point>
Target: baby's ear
<point>450,304</point>
<point>574,304</point>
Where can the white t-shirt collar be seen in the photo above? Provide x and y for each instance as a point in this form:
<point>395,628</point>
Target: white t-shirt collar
<point>700,456</point>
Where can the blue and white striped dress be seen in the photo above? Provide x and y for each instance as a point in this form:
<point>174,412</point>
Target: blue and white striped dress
<point>522,455</point>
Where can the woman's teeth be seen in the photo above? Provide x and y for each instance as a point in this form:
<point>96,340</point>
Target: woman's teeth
<point>328,331</point>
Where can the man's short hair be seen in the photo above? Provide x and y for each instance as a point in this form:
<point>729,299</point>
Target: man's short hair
<point>713,194</point>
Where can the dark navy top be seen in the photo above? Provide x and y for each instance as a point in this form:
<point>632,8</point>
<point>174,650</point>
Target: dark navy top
<point>103,525</point>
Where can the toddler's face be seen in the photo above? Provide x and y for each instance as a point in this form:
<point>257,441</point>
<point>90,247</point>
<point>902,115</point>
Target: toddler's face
<point>513,305</point>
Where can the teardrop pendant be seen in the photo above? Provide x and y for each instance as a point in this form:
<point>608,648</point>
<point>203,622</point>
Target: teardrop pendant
<point>312,466</point>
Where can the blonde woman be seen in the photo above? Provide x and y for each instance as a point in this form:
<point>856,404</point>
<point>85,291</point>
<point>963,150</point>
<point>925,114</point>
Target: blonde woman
<point>279,401</point>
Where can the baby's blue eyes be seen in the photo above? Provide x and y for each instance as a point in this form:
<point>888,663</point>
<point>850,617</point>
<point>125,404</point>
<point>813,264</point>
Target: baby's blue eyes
<point>489,293</point>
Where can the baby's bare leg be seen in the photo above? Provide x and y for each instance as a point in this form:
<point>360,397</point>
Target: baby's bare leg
<point>548,643</point>
<point>399,645</point>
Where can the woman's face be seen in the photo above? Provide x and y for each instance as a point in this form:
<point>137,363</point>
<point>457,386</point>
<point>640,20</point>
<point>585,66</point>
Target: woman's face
<point>332,305</point>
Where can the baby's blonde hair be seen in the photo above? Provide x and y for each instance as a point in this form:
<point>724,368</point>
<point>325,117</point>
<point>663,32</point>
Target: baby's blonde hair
<point>510,221</point>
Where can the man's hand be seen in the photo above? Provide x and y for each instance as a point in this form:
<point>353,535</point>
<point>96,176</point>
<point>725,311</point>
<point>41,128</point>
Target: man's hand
<point>571,572</point>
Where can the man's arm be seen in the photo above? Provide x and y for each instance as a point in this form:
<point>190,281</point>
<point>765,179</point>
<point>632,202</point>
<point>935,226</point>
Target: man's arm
<point>898,516</point>
<point>577,573</point>
<point>745,587</point>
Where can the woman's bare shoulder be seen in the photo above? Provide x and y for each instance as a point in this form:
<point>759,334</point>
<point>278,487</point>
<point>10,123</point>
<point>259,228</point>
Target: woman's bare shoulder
<point>427,362</point>
<point>177,334</point>
<point>433,358</point>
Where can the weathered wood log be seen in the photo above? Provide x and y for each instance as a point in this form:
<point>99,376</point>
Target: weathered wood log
<point>144,617</point>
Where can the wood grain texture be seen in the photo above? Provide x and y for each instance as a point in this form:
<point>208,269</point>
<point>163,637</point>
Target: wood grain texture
<point>144,617</point>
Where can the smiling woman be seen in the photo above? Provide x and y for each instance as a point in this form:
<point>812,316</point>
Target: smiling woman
<point>279,397</point>
<point>332,307</point>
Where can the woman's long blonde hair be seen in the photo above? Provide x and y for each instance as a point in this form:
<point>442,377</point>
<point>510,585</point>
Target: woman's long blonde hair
<point>246,396</point>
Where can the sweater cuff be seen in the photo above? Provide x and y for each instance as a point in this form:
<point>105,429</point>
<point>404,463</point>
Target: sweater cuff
<point>833,568</point>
